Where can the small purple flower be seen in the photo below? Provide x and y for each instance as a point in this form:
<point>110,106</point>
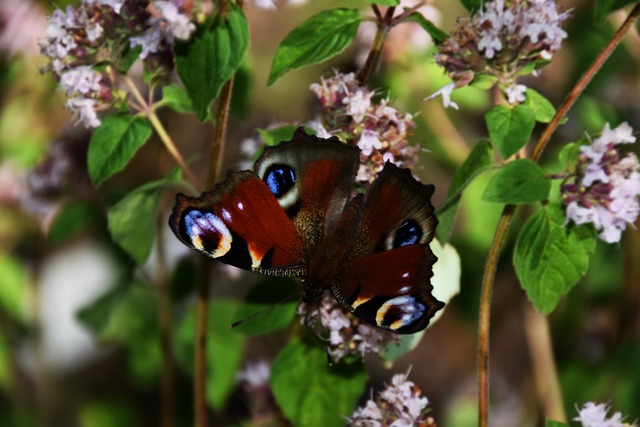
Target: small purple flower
<point>605,189</point>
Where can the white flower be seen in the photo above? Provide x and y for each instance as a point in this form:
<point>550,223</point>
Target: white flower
<point>368,142</point>
<point>358,104</point>
<point>84,109</point>
<point>515,93</point>
<point>592,415</point>
<point>82,79</point>
<point>150,41</point>
<point>255,374</point>
<point>264,4</point>
<point>446,96</point>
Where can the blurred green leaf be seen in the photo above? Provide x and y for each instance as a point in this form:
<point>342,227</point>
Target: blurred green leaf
<point>224,349</point>
<point>520,181</point>
<point>269,306</point>
<point>386,2</point>
<point>569,155</point>
<point>132,221</point>
<point>472,5</point>
<point>275,136</point>
<point>317,39</point>
<point>310,391</point>
<point>242,90</point>
<point>109,413</point>
<point>72,218</point>
<point>510,128</point>
<point>550,257</point>
<point>4,362</point>
<point>542,108</point>
<point>130,55</point>
<point>603,8</point>
<point>478,161</point>
<point>210,57</point>
<point>176,97</point>
<point>552,423</point>
<point>114,143</point>
<point>14,287</point>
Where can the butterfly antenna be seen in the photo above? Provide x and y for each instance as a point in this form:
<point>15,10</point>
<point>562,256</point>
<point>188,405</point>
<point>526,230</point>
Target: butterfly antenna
<point>264,310</point>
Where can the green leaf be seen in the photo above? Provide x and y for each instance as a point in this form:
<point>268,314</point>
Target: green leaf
<point>71,219</point>
<point>569,155</point>
<point>520,181</point>
<point>109,413</point>
<point>552,423</point>
<point>315,40</point>
<point>275,136</point>
<point>436,33</point>
<point>114,143</point>
<point>132,221</point>
<point>269,306</point>
<point>14,287</point>
<point>176,97</point>
<point>210,57</point>
<point>543,110</point>
<point>127,315</point>
<point>478,161</point>
<point>310,391</point>
<point>510,128</point>
<point>242,90</point>
<point>472,5</point>
<point>130,56</point>
<point>550,257</point>
<point>224,349</point>
<point>603,8</point>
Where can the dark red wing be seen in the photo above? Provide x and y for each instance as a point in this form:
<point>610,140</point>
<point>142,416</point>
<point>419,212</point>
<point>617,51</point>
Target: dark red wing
<point>240,223</point>
<point>390,289</point>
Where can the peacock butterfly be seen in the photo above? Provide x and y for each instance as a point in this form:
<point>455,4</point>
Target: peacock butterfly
<point>292,216</point>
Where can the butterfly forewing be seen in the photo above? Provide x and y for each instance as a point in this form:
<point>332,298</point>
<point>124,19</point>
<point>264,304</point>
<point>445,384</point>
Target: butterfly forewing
<point>241,223</point>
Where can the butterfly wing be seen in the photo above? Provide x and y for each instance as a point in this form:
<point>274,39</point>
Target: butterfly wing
<point>386,277</point>
<point>268,220</point>
<point>240,223</point>
<point>311,178</point>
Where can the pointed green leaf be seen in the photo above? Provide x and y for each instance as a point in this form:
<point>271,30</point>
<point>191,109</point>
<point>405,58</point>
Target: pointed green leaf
<point>132,221</point>
<point>114,143</point>
<point>478,161</point>
<point>543,109</point>
<point>436,33</point>
<point>550,257</point>
<point>552,423</point>
<point>315,40</point>
<point>386,2</point>
<point>210,57</point>
<point>271,305</point>
<point>472,5</point>
<point>310,391</point>
<point>176,97</point>
<point>510,128</point>
<point>224,349</point>
<point>520,181</point>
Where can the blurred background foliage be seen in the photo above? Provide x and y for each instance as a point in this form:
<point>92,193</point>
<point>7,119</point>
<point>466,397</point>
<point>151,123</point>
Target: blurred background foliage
<point>80,342</point>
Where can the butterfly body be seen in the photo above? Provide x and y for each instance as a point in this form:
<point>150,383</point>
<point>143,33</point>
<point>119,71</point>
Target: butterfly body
<point>293,216</point>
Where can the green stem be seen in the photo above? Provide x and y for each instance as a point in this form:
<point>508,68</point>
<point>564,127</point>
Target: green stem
<point>202,304</point>
<point>148,111</point>
<point>364,76</point>
<point>507,215</point>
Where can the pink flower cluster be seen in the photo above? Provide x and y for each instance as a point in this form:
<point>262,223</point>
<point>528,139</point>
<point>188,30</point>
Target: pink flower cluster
<point>85,46</point>
<point>399,405</point>
<point>500,40</point>
<point>605,190</point>
<point>592,415</point>
<point>351,114</point>
<point>344,333</point>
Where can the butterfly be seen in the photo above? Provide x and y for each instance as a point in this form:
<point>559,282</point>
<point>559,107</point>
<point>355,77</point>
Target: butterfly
<point>293,216</point>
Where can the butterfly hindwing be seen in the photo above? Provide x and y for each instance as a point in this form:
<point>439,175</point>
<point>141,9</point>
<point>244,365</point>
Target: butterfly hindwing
<point>240,223</point>
<point>385,279</point>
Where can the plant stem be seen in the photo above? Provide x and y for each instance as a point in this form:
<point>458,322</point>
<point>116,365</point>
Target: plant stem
<point>507,215</point>
<point>148,111</point>
<point>383,23</point>
<point>202,304</point>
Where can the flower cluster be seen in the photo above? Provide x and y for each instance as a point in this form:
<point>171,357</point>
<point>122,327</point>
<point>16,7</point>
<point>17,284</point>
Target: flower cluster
<point>86,45</point>
<point>399,405</point>
<point>344,333</point>
<point>605,189</point>
<point>501,40</point>
<point>254,381</point>
<point>351,114</point>
<point>592,415</point>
